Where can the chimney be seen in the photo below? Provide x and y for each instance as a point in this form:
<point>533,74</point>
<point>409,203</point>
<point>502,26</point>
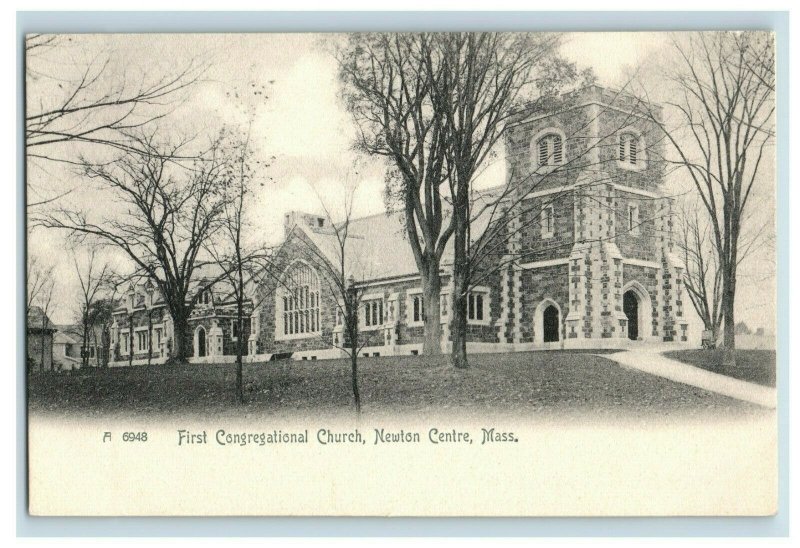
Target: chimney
<point>308,221</point>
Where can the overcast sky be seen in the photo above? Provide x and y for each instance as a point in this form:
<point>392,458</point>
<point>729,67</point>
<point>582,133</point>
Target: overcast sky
<point>303,125</point>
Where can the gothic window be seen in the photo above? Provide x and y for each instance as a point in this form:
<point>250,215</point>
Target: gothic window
<point>123,343</point>
<point>549,150</point>
<point>299,302</point>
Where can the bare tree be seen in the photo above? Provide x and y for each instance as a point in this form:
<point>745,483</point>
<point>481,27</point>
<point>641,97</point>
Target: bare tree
<point>39,277</point>
<point>41,289</point>
<point>239,261</point>
<point>484,79</point>
<point>725,127</point>
<point>387,88</point>
<point>92,277</point>
<point>344,274</point>
<point>702,273</point>
<point>166,212</point>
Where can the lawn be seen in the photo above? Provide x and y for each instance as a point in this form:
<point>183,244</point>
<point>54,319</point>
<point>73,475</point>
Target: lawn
<point>756,366</point>
<point>544,384</point>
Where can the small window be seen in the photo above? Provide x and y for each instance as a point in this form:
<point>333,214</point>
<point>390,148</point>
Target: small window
<point>443,308</point>
<point>548,221</point>
<point>633,219</point>
<point>550,150</point>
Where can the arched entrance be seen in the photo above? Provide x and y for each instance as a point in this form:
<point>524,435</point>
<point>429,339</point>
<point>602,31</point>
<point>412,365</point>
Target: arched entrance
<point>547,322</point>
<point>630,306</point>
<point>550,324</point>
<point>638,309</point>
<point>200,342</point>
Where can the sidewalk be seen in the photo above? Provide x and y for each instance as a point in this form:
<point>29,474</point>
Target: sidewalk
<point>648,358</point>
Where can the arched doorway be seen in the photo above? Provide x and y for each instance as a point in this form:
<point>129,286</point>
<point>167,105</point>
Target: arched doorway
<point>547,322</point>
<point>550,324</point>
<point>630,306</point>
<point>638,309</point>
<point>200,342</point>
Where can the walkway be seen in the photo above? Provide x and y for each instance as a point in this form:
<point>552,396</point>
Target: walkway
<point>649,358</point>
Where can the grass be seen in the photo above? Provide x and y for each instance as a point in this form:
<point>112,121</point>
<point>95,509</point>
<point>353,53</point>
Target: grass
<point>542,384</point>
<point>756,366</point>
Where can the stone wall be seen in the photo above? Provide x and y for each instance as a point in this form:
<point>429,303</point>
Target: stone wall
<point>549,282</point>
<point>649,278</point>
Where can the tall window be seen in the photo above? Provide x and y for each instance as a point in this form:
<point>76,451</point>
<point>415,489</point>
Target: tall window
<point>235,329</point>
<point>373,312</point>
<point>550,150</point>
<point>629,148</point>
<point>299,301</point>
<point>123,343</point>
<point>475,306</point>
<point>141,341</point>
<point>547,221</point>
<point>419,308</point>
<point>205,297</point>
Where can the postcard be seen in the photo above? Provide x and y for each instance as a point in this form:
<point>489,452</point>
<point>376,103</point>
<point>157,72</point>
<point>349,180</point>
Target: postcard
<point>401,274</point>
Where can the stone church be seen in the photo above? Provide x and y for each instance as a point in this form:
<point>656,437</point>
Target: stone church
<point>585,259</point>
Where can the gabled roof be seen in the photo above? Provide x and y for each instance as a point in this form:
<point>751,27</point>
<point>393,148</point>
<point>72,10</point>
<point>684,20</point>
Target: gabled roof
<point>38,320</point>
<point>377,247</point>
<point>62,337</point>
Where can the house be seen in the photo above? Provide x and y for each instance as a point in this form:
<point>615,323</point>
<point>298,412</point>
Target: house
<point>67,343</point>
<point>66,349</point>
<point>39,340</point>
<point>581,256</point>
<point>142,330</point>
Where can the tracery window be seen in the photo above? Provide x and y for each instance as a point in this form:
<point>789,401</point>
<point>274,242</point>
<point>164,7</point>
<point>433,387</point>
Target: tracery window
<point>299,302</point>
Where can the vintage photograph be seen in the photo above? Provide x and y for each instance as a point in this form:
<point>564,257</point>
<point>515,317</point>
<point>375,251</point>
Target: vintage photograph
<point>478,273</point>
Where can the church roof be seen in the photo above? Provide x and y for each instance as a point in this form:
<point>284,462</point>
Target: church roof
<point>377,247</point>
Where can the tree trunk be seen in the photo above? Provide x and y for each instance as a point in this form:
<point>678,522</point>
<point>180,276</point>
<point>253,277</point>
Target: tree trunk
<point>149,337</point>
<point>729,319</point>
<point>458,355</point>
<point>179,350</point>
<point>44,337</point>
<point>240,335</point>
<point>85,343</point>
<point>130,340</point>
<point>354,374</point>
<point>431,293</point>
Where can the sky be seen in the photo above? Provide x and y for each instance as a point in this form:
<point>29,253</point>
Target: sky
<point>302,128</point>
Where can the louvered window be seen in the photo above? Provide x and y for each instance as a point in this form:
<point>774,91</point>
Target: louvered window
<point>629,148</point>
<point>550,150</point>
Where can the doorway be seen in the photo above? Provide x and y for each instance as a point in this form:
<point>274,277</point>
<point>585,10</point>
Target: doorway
<point>630,306</point>
<point>550,321</point>
<point>201,342</point>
